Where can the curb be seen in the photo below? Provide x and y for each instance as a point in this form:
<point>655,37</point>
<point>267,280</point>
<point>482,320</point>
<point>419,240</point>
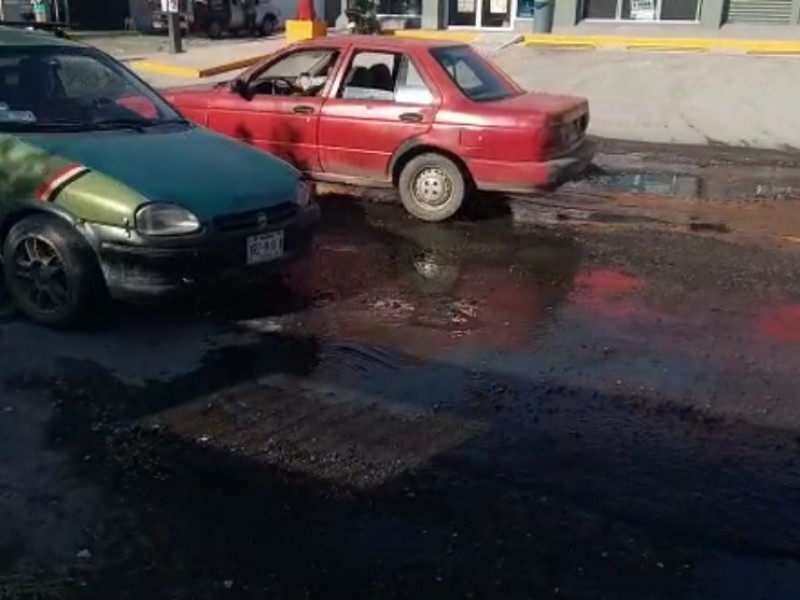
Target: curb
<point>466,37</point>
<point>196,73</point>
<point>163,68</point>
<point>760,47</point>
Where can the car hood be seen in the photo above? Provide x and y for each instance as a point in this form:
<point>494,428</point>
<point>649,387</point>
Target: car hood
<point>205,172</point>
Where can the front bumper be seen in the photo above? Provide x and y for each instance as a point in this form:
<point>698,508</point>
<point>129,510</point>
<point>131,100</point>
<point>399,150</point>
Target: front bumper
<point>137,270</point>
<point>526,177</point>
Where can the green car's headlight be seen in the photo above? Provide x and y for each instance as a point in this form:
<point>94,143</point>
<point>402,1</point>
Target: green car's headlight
<point>165,219</point>
<point>304,193</point>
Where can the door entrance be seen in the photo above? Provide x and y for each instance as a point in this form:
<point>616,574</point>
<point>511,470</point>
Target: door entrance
<point>492,14</point>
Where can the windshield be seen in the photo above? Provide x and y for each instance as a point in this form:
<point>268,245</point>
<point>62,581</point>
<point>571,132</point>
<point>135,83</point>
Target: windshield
<point>51,88</point>
<point>476,77</point>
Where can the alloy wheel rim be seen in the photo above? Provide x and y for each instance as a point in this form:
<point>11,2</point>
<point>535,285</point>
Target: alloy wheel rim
<point>40,274</point>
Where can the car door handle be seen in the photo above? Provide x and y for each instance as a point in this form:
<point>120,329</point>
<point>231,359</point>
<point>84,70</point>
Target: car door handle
<point>411,117</point>
<point>303,109</point>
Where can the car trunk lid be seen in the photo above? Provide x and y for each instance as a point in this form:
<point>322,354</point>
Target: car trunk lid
<point>558,122</point>
<point>552,107</point>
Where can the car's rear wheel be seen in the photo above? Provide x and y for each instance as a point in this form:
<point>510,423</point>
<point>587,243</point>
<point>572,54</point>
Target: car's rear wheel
<point>432,187</point>
<point>51,272</point>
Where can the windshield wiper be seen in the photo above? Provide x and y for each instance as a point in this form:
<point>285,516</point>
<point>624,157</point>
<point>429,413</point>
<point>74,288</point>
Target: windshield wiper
<point>50,125</point>
<point>135,124</point>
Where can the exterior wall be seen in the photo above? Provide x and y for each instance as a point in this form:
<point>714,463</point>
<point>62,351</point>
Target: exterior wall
<point>141,13</point>
<point>568,13</point>
<point>712,13</point>
<point>14,9</point>
<point>433,12</point>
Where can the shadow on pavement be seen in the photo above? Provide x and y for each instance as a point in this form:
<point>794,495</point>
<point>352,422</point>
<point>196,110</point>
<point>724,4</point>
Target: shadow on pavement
<point>550,490</point>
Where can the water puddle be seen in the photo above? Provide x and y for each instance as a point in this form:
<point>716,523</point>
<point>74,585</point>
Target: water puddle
<point>713,183</point>
<point>653,183</point>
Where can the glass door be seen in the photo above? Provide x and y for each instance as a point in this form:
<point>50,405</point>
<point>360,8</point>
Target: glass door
<point>495,13</point>
<point>462,13</point>
<point>479,13</point>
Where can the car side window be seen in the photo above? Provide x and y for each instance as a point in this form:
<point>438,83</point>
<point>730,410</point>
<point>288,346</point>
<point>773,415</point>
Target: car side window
<point>384,76</point>
<point>283,77</point>
<point>464,76</point>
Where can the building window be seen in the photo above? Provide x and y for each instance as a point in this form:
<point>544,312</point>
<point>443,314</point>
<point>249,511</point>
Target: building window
<point>643,10</point>
<point>405,8</point>
<point>525,9</point>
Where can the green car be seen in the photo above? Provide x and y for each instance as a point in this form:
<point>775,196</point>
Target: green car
<point>108,191</point>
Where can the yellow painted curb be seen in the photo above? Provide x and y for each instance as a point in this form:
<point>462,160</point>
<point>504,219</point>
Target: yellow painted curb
<point>466,37</point>
<point>666,44</point>
<point>233,65</point>
<point>165,69</point>
<point>195,73</point>
<point>660,48</point>
<point>786,52</point>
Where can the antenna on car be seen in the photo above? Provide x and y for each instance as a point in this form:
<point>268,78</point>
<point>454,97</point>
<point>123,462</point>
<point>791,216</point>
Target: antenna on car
<point>57,29</point>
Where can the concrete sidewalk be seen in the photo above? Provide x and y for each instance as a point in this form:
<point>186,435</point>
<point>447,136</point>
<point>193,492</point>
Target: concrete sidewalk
<point>672,98</point>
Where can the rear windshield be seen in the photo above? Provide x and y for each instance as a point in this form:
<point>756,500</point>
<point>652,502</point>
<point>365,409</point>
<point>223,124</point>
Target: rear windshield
<point>476,77</point>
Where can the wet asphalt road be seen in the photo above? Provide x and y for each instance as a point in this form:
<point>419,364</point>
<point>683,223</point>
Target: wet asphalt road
<point>471,410</point>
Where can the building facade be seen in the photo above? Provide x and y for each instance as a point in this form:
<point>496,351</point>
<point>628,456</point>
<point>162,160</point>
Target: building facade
<point>519,15</point>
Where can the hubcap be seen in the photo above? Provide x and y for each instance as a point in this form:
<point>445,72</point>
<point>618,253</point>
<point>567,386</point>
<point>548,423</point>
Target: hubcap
<point>432,186</point>
<point>40,274</point>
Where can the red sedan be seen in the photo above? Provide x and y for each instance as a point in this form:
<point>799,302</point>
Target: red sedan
<point>435,119</point>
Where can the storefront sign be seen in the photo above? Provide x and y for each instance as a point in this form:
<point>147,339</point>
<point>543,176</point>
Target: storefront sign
<point>466,6</point>
<point>643,10</point>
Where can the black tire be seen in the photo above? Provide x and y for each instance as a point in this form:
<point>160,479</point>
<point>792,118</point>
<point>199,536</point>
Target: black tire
<point>438,178</point>
<point>214,30</point>
<point>42,252</point>
<point>268,24</point>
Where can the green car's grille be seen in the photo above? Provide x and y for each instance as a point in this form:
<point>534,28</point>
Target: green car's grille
<point>256,219</point>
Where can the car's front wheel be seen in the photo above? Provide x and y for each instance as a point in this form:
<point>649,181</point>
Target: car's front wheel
<point>432,187</point>
<point>51,272</point>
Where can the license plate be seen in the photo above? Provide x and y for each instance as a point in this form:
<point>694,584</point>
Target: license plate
<point>265,247</point>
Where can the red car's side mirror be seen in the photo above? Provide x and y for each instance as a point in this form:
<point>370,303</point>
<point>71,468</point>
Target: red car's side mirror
<point>240,87</point>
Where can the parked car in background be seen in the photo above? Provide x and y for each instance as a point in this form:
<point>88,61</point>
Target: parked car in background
<point>215,18</point>
<point>435,119</point>
<point>109,191</point>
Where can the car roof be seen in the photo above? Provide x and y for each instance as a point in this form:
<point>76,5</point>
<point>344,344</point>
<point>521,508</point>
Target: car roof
<point>383,41</point>
<point>14,36</point>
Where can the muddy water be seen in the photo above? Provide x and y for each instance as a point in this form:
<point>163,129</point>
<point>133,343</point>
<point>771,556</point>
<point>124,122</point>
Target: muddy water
<point>476,410</point>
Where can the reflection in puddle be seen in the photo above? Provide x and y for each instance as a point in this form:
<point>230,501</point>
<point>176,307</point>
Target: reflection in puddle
<point>781,323</point>
<point>652,182</point>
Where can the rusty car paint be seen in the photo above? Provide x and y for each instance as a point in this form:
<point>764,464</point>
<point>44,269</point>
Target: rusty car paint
<point>512,143</point>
